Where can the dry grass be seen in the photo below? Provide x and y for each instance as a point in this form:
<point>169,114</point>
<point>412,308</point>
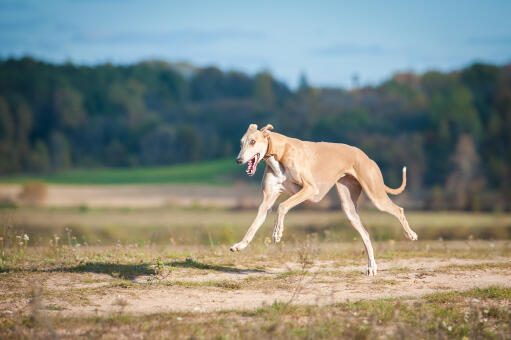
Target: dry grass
<point>473,314</point>
<point>221,226</point>
<point>62,283</point>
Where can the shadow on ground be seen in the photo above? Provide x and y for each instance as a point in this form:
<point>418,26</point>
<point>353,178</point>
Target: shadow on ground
<point>131,271</point>
<point>189,263</point>
<point>123,271</point>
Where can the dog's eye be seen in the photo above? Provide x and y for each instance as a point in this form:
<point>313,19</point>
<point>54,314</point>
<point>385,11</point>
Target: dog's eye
<point>252,142</point>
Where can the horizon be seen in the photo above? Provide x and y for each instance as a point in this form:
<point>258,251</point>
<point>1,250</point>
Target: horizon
<point>291,87</point>
<point>332,44</point>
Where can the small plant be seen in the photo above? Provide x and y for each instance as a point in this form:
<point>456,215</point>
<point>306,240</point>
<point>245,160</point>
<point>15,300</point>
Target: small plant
<point>306,252</point>
<point>70,238</point>
<point>120,302</point>
<point>162,270</point>
<point>37,319</point>
<point>23,243</point>
<point>54,244</point>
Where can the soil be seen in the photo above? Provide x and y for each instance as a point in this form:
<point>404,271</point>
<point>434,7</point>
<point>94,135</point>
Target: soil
<point>195,290</point>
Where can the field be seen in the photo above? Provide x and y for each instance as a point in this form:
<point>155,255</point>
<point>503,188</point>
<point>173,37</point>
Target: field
<point>213,172</point>
<point>167,273</point>
<point>144,253</point>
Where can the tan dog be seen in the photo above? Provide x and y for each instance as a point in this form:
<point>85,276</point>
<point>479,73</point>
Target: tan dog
<point>307,171</point>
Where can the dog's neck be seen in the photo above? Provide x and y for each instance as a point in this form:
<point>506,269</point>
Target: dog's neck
<point>269,150</point>
<point>274,147</point>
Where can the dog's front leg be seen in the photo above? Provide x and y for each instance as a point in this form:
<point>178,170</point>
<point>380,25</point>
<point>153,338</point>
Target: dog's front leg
<point>275,166</point>
<point>307,191</point>
<point>270,195</point>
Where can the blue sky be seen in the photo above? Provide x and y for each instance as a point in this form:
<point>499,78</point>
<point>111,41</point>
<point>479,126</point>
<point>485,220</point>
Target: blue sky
<point>329,41</point>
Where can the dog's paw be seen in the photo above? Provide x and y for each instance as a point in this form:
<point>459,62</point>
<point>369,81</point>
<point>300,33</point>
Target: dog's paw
<point>371,271</point>
<point>277,235</point>
<point>411,235</point>
<point>238,246</point>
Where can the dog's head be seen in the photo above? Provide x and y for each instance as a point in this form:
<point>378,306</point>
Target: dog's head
<point>253,147</point>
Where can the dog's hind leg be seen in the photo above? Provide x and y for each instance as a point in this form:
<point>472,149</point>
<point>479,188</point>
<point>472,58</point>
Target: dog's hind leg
<point>349,190</point>
<point>398,212</point>
<point>372,182</point>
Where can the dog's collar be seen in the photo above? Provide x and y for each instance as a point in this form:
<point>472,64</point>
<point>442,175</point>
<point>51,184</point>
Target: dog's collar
<point>269,151</point>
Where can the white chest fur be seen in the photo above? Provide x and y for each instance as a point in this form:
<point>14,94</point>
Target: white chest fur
<point>277,168</point>
<point>280,178</point>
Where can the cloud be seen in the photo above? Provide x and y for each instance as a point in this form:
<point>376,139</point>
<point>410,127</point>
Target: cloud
<point>172,37</point>
<point>490,40</point>
<point>348,49</point>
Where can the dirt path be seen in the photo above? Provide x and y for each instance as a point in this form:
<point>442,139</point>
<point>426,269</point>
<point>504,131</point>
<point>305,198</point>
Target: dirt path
<point>322,283</point>
<point>140,196</point>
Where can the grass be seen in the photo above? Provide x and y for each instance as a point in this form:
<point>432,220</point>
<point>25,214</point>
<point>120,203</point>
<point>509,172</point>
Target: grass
<point>212,172</point>
<point>48,289</point>
<point>89,273</point>
<point>426,317</point>
<point>497,293</point>
<point>224,227</point>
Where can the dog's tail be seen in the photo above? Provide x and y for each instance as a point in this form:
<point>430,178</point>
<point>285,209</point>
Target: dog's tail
<point>401,188</point>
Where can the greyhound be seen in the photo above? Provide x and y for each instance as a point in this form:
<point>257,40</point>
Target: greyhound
<point>307,171</point>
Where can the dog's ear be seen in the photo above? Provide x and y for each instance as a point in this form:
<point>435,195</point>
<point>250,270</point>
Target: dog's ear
<point>265,129</point>
<point>252,126</point>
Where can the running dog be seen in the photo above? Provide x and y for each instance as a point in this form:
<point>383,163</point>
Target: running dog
<point>307,171</point>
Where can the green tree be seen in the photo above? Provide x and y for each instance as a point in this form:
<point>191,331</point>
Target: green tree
<point>8,154</point>
<point>263,89</point>
<point>116,154</point>
<point>60,153</point>
<point>160,146</point>
<point>465,180</point>
<point>6,122</point>
<point>303,83</point>
<point>68,107</point>
<point>39,160</point>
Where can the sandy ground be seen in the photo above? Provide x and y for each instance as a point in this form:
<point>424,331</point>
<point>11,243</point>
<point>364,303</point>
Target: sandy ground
<point>141,196</point>
<point>321,283</point>
<point>239,194</point>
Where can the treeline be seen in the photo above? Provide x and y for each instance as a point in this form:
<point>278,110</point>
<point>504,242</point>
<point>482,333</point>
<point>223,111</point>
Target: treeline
<point>452,130</point>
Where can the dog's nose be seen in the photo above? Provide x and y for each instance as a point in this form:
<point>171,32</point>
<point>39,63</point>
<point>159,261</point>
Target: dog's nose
<point>239,160</point>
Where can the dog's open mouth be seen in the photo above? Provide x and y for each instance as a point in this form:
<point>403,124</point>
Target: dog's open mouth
<point>252,165</point>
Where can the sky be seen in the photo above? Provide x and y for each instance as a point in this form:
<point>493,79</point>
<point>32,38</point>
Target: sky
<point>328,41</point>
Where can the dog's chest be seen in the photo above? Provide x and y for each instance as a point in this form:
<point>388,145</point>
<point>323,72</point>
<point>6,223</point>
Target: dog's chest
<point>291,173</point>
<point>281,178</point>
<point>293,176</point>
<point>289,179</point>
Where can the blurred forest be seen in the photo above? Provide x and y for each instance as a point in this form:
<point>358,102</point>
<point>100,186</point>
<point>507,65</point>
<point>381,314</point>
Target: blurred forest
<point>452,130</point>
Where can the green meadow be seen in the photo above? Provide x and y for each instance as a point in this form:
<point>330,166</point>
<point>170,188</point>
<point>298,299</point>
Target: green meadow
<point>212,172</point>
